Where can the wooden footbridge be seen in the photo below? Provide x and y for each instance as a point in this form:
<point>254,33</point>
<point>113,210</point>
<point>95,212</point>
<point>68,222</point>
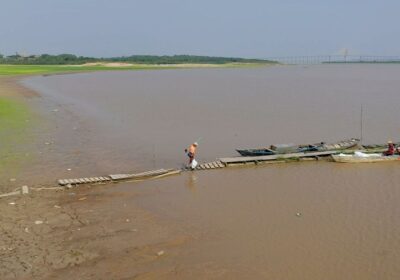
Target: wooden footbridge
<point>217,164</point>
<point>117,177</point>
<point>210,165</point>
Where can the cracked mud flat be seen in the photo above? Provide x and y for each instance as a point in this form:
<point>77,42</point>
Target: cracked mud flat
<point>83,235</point>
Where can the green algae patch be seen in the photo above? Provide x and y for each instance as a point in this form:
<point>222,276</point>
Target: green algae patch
<point>13,114</point>
<point>14,121</point>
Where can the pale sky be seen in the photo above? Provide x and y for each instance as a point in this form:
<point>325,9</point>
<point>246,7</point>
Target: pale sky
<point>251,28</point>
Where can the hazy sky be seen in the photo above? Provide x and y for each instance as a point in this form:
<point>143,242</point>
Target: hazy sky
<point>251,28</point>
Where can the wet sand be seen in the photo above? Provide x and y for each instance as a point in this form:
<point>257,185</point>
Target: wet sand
<point>237,223</point>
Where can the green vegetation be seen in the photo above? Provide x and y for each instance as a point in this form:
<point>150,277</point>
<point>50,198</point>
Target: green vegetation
<point>10,70</point>
<point>184,59</point>
<point>65,63</point>
<point>53,69</point>
<point>70,59</point>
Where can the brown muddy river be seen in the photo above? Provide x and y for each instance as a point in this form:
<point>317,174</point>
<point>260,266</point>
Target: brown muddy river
<point>244,220</point>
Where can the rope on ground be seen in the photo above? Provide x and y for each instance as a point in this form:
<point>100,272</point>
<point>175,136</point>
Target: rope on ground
<point>48,188</point>
<point>10,194</point>
<point>25,190</point>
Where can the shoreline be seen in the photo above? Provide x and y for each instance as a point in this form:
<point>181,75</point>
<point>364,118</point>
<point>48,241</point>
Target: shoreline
<point>17,123</point>
<point>10,70</point>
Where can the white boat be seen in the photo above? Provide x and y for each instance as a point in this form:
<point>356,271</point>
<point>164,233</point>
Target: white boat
<point>360,157</point>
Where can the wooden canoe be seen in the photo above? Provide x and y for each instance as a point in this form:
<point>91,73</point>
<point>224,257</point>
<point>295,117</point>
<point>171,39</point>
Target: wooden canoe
<point>256,152</point>
<point>318,147</point>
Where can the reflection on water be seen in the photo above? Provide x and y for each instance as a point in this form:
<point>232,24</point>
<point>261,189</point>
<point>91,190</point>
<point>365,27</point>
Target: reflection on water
<point>191,181</point>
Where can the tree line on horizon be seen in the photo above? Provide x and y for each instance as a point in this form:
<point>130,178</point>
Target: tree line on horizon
<point>68,59</point>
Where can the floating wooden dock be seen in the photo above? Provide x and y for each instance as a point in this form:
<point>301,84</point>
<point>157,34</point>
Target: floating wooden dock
<point>217,164</point>
<point>225,162</point>
<point>210,165</point>
<point>257,159</point>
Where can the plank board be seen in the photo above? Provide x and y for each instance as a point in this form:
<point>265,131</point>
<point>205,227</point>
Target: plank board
<point>64,182</point>
<point>146,174</point>
<point>120,176</point>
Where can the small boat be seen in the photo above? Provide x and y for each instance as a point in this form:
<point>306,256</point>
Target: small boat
<point>359,157</point>
<point>256,152</point>
<point>342,145</point>
<point>291,148</point>
<point>379,147</point>
<point>368,159</point>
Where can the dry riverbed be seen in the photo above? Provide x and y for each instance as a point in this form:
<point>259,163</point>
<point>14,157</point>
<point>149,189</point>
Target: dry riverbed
<point>81,234</point>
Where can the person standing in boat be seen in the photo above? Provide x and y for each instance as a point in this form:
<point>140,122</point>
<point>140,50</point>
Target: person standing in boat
<point>192,152</point>
<point>390,150</point>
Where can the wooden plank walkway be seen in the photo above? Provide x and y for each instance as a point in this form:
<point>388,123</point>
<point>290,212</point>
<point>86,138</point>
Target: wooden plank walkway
<point>217,164</point>
<point>236,160</point>
<point>210,165</point>
<point>151,173</point>
<point>78,181</point>
<point>115,177</point>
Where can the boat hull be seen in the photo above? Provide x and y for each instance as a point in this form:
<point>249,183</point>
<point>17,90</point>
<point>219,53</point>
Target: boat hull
<point>355,159</point>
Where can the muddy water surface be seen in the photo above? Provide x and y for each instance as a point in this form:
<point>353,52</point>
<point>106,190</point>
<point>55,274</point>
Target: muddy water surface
<point>244,219</point>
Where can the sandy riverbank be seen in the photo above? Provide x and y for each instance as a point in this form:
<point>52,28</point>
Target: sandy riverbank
<point>82,234</point>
